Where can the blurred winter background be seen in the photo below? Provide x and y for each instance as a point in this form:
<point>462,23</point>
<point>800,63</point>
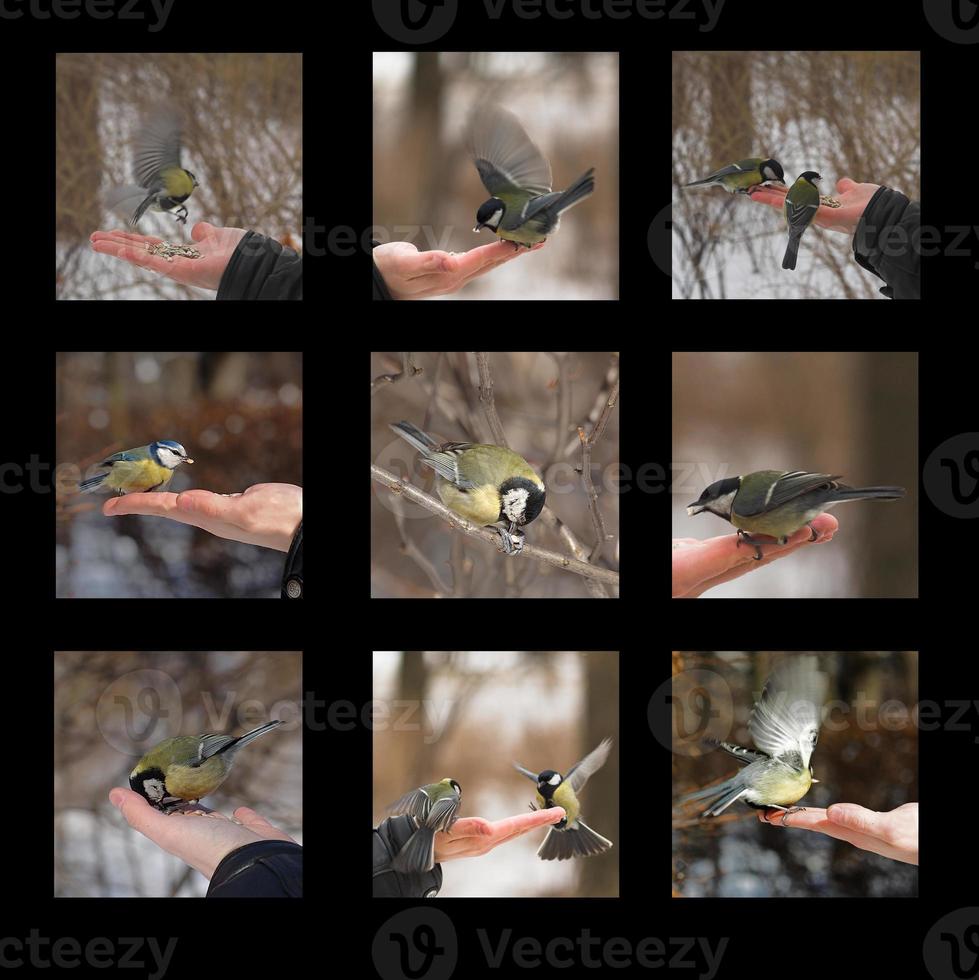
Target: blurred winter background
<point>110,707</point>
<point>239,416</point>
<point>842,412</point>
<point>427,191</point>
<point>242,139</point>
<point>850,114</point>
<point>470,714</point>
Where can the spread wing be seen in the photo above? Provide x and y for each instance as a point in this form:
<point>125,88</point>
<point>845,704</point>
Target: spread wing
<point>507,159</point>
<point>785,720</point>
<point>579,773</point>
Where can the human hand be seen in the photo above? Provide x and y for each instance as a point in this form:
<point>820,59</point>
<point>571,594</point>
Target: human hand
<point>410,274</point>
<point>473,836</point>
<point>853,198</point>
<point>702,565</point>
<point>266,514</point>
<point>216,246</point>
<point>201,839</point>
<point>893,835</point>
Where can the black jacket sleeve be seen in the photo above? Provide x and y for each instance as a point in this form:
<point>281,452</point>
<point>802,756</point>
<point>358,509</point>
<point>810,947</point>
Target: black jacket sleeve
<point>389,837</point>
<point>265,869</point>
<point>292,577</point>
<point>260,268</point>
<point>887,243</point>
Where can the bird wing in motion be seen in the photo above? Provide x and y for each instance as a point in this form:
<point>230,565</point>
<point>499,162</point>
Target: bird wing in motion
<point>787,716</point>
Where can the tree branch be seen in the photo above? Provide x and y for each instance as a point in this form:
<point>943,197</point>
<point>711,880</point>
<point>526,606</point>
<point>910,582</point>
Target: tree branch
<point>486,397</point>
<point>563,404</point>
<point>408,370</point>
<point>587,445</point>
<point>416,496</point>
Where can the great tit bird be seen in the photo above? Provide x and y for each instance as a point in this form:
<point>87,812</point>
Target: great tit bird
<point>784,725</point>
<point>138,470</point>
<point>522,209</point>
<point>162,184</point>
<point>188,767</point>
<point>801,205</point>
<point>571,837</point>
<point>484,484</point>
<point>434,807</point>
<point>778,502</point>
<point>740,177</point>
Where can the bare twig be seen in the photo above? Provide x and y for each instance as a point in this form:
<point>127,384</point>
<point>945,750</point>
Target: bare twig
<point>562,360</point>
<point>417,496</point>
<point>430,411</point>
<point>415,553</point>
<point>575,547</point>
<point>611,376</point>
<point>408,370</point>
<point>587,444</point>
<point>462,568</point>
<point>486,397</point>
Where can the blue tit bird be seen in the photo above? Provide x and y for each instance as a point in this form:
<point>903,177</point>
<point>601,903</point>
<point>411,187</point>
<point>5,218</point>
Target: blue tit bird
<point>571,836</point>
<point>162,184</point>
<point>741,177</point>
<point>784,724</point>
<point>188,767</point>
<point>523,209</point>
<point>138,470</point>
<point>801,205</point>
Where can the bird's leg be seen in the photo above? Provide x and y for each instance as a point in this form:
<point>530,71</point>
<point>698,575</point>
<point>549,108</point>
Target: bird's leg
<point>747,537</point>
<point>784,810</point>
<point>815,534</point>
<point>511,542</point>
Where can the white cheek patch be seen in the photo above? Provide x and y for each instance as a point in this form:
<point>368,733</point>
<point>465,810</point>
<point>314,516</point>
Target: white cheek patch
<point>154,790</point>
<point>722,505</point>
<point>555,779</point>
<point>495,218</point>
<point>515,504</point>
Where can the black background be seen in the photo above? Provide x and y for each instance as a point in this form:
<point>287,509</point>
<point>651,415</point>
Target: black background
<point>340,919</point>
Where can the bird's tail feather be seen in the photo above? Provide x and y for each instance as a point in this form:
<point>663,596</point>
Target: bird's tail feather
<point>92,483</point>
<point>577,841</point>
<point>870,493</point>
<point>721,795</point>
<point>579,190</point>
<point>411,433</point>
<point>791,254</point>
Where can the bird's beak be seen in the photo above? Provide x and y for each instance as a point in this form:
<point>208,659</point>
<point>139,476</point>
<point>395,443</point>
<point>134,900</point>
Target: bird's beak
<point>693,509</point>
<point>477,227</point>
